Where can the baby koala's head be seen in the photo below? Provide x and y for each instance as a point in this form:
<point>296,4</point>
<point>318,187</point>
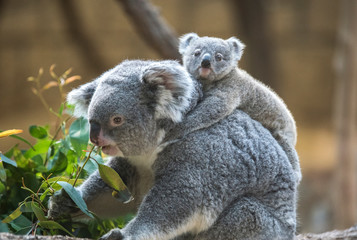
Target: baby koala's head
<point>208,58</point>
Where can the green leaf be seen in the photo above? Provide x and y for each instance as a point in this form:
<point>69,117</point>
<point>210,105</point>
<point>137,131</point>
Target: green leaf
<point>112,178</point>
<point>3,227</point>
<point>21,225</point>
<point>2,172</point>
<point>38,160</point>
<point>38,212</point>
<point>2,189</point>
<point>58,164</point>
<point>26,207</point>
<point>76,197</point>
<point>79,135</point>
<point>60,111</point>
<point>44,194</point>
<point>39,148</point>
<point>7,160</point>
<point>38,132</point>
<point>15,214</point>
<point>53,225</point>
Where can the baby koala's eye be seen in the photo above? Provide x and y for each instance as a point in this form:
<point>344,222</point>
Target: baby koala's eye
<point>117,120</point>
<point>197,52</point>
<point>219,57</point>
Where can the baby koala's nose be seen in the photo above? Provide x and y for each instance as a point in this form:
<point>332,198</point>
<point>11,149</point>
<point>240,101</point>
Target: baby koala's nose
<point>206,61</point>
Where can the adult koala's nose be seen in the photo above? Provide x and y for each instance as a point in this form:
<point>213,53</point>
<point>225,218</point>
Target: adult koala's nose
<point>206,61</point>
<point>94,132</point>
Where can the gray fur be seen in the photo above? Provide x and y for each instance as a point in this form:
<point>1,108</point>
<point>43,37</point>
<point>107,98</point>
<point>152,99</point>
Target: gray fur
<point>228,87</point>
<point>230,180</point>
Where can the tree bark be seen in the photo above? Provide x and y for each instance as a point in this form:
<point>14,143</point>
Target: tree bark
<point>345,192</point>
<point>347,234</point>
<point>152,27</point>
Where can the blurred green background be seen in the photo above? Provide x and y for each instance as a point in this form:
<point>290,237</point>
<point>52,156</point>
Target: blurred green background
<point>290,45</point>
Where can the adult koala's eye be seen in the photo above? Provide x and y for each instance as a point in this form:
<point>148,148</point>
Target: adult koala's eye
<point>117,120</point>
<point>219,57</point>
<point>197,52</point>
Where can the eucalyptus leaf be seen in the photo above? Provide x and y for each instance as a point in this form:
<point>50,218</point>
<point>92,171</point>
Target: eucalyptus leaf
<point>7,160</point>
<point>2,172</point>
<point>3,227</point>
<point>112,178</point>
<point>39,148</point>
<point>76,197</point>
<point>26,207</point>
<point>58,164</point>
<point>38,132</point>
<point>53,225</point>
<point>2,189</point>
<point>79,135</point>
<point>38,212</point>
<point>15,214</point>
<point>21,225</point>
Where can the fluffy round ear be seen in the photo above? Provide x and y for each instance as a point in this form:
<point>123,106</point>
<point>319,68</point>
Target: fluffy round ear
<point>185,41</point>
<point>167,88</point>
<point>237,47</point>
<point>81,97</point>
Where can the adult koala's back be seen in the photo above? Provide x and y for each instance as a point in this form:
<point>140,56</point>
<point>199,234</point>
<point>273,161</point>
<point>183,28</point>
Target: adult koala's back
<point>231,180</point>
<point>239,181</point>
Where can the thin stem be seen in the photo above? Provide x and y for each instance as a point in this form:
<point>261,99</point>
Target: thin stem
<point>80,170</point>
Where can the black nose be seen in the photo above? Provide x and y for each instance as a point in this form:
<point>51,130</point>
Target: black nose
<point>206,61</point>
<point>94,132</point>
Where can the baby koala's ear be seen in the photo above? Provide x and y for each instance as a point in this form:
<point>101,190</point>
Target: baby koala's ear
<point>81,97</point>
<point>185,41</point>
<point>237,47</point>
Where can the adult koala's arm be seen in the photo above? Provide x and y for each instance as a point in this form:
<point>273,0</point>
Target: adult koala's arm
<point>98,195</point>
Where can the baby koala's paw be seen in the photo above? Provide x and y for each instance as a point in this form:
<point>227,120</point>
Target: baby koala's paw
<point>61,205</point>
<point>114,234</point>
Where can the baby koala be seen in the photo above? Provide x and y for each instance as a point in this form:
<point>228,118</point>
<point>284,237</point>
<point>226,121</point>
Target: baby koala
<point>213,61</point>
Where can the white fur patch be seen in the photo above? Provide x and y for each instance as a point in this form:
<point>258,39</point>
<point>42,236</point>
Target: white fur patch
<point>147,160</point>
<point>168,108</point>
<point>197,223</point>
<point>80,106</point>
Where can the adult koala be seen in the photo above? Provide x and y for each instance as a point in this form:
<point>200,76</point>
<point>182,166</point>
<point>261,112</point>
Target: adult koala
<point>231,180</point>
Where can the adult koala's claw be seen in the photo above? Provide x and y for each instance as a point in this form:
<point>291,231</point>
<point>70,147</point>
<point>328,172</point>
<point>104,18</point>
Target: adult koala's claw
<point>114,234</point>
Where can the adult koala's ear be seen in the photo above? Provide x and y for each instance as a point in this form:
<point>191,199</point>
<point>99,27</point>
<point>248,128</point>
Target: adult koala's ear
<point>81,97</point>
<point>186,40</point>
<point>167,89</point>
<point>237,47</point>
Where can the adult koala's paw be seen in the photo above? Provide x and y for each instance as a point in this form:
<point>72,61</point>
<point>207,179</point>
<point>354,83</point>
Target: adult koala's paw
<point>114,234</point>
<point>61,205</point>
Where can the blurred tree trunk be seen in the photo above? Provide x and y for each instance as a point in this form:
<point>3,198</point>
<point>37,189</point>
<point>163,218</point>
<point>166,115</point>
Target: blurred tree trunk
<point>346,68</point>
<point>76,31</point>
<point>152,27</point>
<point>253,20</point>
